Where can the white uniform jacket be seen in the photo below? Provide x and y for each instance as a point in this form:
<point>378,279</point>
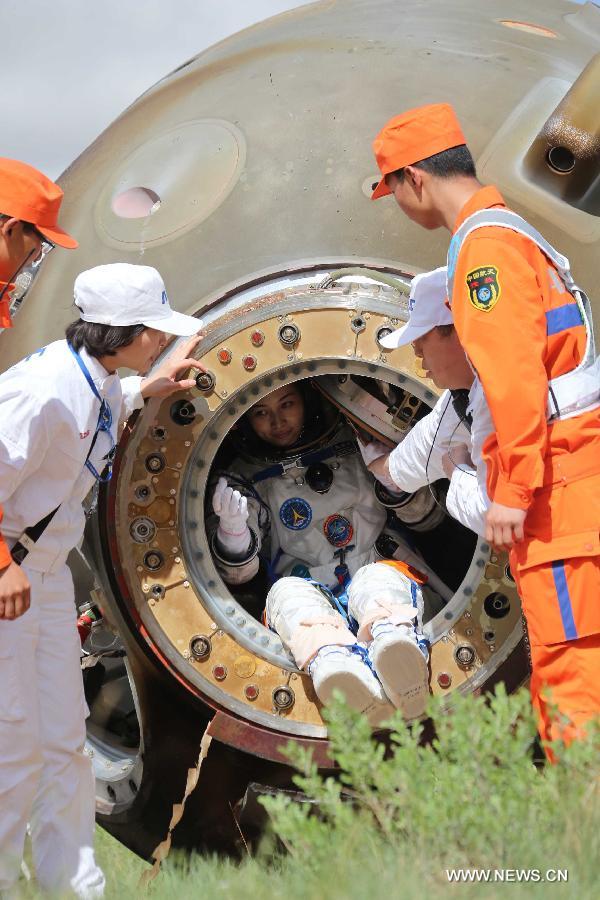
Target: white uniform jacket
<point>48,416</point>
<point>307,528</point>
<point>417,460</point>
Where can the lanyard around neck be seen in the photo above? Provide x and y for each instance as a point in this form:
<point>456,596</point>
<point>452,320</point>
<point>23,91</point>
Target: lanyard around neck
<point>31,535</point>
<point>104,423</point>
<point>86,372</point>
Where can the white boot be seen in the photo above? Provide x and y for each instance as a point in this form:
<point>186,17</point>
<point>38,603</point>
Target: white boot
<point>400,661</point>
<point>339,668</point>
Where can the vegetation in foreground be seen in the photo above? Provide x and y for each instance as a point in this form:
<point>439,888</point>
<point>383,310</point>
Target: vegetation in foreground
<point>471,800</point>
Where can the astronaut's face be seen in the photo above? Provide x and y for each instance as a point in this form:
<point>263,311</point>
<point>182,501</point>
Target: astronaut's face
<point>279,417</point>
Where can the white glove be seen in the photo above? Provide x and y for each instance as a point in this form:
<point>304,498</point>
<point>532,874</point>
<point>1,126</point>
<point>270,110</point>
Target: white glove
<point>231,507</point>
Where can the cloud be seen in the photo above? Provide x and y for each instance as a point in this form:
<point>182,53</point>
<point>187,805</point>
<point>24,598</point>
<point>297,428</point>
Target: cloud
<point>71,67</point>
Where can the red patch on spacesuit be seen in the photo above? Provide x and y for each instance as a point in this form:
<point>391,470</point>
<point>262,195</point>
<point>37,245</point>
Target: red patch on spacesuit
<point>338,530</point>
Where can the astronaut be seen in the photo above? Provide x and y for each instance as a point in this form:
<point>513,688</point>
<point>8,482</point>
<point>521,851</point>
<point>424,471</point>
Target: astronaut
<point>300,495</point>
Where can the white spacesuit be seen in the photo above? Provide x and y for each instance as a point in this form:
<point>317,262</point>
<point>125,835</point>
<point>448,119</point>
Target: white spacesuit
<point>314,515</point>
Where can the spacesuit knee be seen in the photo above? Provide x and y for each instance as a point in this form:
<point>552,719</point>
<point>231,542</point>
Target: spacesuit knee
<point>381,591</point>
<point>304,619</point>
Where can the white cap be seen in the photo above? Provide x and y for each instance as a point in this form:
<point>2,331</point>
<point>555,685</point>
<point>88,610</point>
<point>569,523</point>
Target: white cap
<point>427,306</point>
<point>124,294</point>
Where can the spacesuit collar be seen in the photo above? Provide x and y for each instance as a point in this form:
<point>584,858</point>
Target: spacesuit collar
<point>306,460</point>
<point>484,198</point>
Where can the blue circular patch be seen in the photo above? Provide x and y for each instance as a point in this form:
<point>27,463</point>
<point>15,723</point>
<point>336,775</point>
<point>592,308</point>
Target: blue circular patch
<point>338,530</point>
<point>296,514</point>
<point>484,294</point>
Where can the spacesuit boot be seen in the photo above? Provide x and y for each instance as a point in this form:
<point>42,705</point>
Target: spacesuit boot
<point>321,643</point>
<point>387,604</point>
<point>400,660</point>
<point>337,668</point>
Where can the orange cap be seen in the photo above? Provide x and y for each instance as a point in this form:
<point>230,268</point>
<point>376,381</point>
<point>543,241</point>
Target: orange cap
<point>412,136</point>
<point>26,194</point>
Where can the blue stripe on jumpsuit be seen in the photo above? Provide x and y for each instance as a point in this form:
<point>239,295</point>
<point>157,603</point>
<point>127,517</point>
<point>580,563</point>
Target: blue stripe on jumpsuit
<point>561,318</point>
<point>564,599</point>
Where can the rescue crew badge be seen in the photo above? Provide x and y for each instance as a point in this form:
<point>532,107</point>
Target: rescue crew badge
<point>338,530</point>
<point>484,287</point>
<point>296,514</point>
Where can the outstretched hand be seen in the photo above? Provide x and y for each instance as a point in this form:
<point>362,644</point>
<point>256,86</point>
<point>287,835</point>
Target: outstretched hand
<point>372,451</point>
<point>458,457</point>
<point>166,379</point>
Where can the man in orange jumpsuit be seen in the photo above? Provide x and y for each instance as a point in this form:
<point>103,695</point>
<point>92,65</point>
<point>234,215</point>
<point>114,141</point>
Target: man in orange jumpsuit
<point>522,322</point>
<point>29,205</point>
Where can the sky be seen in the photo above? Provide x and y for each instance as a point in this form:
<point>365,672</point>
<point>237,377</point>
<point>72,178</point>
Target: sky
<point>71,66</point>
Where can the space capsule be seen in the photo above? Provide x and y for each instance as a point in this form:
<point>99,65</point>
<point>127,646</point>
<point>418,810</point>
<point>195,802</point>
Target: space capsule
<point>245,178</point>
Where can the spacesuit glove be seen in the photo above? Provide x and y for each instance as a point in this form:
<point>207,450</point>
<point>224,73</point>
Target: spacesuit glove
<point>231,507</point>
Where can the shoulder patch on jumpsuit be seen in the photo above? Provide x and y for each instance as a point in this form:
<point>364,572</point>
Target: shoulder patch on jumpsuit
<point>484,287</point>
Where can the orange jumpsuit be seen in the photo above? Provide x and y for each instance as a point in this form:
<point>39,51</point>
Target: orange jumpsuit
<point>5,557</point>
<point>5,322</point>
<point>525,333</point>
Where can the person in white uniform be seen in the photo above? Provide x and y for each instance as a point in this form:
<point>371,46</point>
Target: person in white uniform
<point>303,496</point>
<point>60,410</point>
<point>448,441</point>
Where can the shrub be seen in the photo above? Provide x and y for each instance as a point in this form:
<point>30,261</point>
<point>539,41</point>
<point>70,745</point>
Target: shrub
<point>473,797</point>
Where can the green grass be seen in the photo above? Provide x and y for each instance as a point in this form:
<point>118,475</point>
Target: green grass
<point>471,800</point>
